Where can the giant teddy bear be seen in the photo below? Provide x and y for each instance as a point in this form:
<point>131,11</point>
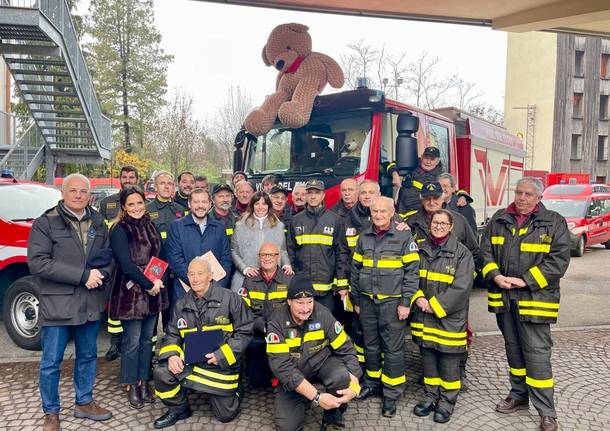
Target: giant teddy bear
<point>302,75</point>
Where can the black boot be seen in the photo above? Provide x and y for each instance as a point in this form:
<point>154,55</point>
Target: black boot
<point>389,408</point>
<point>441,416</point>
<point>145,393</point>
<point>424,408</point>
<point>169,418</point>
<point>115,348</point>
<point>133,397</point>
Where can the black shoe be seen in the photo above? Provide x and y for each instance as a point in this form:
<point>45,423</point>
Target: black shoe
<point>113,352</point>
<point>441,416</point>
<point>424,408</point>
<point>169,418</point>
<point>389,408</point>
<point>365,392</point>
<point>133,396</point>
<point>145,393</point>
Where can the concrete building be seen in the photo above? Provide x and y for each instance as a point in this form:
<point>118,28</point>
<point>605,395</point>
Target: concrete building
<point>557,91</point>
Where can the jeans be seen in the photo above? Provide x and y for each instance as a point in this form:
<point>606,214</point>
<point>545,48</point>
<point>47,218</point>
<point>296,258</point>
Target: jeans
<point>136,349</point>
<point>54,341</point>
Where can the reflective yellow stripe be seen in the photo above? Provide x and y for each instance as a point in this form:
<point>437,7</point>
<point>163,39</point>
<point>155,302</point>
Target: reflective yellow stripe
<point>257,295</point>
<point>226,350</point>
<point>407,214</point>
<point>357,257</point>
<point>519,372</point>
<point>539,277</point>
<point>373,374</point>
<point>523,231</point>
<point>444,333</point>
<point>339,341</point>
<point>393,381</point>
<point>368,263</point>
<point>247,301</point>
<point>360,358</point>
<point>437,307</point>
<point>278,295</point>
<point>115,330</point>
<point>411,257</point>
<point>358,348</point>
<point>437,381</point>
<point>114,322</point>
<point>539,313</point>
<point>167,394</point>
<point>226,328</point>
<point>354,386</point>
<point>497,240</point>
<point>492,295</point>
<point>164,235</point>
<point>313,335</point>
<point>539,304</point>
<point>535,248</point>
<point>314,239</point>
<point>352,241</point>
<point>492,299</point>
<point>417,184</point>
<point>442,341</point>
<point>184,331</point>
<point>417,325</point>
<point>212,383</point>
<point>229,231</point>
<point>489,267</point>
<point>342,282</point>
<point>321,287</point>
<point>416,295</point>
<point>535,383</point>
<point>423,273</point>
<point>385,263</point>
<point>219,376</point>
<point>437,276</point>
<point>495,303</point>
<point>172,348</point>
<point>380,295</point>
<point>293,342</point>
<point>391,165</point>
<point>278,348</point>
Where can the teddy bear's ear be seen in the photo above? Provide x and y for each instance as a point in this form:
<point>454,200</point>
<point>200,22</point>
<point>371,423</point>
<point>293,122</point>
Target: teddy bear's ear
<point>265,59</point>
<point>299,28</point>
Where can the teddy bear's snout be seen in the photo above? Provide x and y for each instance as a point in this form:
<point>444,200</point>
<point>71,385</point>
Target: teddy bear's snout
<point>279,65</point>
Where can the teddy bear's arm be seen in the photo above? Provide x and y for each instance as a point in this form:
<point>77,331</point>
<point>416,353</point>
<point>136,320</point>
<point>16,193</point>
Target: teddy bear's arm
<point>334,72</point>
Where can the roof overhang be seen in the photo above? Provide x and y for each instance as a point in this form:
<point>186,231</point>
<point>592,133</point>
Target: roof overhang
<point>590,17</point>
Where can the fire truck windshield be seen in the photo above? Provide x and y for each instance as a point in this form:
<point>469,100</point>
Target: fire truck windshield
<point>334,145</point>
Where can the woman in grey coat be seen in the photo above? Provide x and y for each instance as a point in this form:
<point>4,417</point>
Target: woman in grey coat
<point>257,226</point>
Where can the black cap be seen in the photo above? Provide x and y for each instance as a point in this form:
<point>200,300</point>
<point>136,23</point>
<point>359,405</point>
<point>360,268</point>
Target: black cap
<point>314,184</point>
<point>220,187</point>
<point>300,287</point>
<point>432,152</point>
<point>278,189</point>
<point>431,189</point>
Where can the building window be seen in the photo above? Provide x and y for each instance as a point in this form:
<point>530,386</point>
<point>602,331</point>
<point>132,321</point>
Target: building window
<point>577,105</point>
<point>601,179</point>
<point>605,66</point>
<point>602,148</point>
<point>575,150</point>
<point>579,63</point>
<point>603,107</point>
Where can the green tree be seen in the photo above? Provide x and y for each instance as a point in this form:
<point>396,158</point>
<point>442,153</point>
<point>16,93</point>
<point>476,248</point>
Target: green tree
<point>128,65</point>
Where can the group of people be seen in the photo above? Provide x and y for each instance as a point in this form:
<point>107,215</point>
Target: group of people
<point>313,301</point>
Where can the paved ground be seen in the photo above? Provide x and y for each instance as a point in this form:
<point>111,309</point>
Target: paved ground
<point>581,362</point>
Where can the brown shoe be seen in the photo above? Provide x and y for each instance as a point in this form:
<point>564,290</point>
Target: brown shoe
<point>548,423</point>
<point>51,422</point>
<point>510,405</point>
<point>91,411</point>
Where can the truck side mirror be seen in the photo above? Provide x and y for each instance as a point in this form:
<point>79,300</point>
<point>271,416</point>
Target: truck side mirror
<point>241,139</point>
<point>406,143</point>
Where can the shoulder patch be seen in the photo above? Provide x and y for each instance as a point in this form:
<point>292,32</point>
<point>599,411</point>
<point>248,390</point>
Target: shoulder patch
<point>181,323</point>
<point>272,338</point>
<point>111,205</point>
<point>154,215</point>
<point>338,327</point>
<point>413,246</point>
<point>314,326</point>
<point>350,231</point>
<point>242,292</point>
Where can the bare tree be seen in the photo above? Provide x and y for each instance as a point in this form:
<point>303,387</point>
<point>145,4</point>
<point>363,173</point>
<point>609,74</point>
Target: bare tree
<point>229,119</point>
<point>487,112</point>
<point>397,73</point>
<point>428,90</point>
<point>467,93</point>
<point>359,63</point>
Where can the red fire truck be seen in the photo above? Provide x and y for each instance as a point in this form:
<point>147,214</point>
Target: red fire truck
<point>355,134</point>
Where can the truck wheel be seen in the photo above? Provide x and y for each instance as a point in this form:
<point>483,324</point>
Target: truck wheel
<point>607,245</point>
<point>580,247</point>
<point>20,313</point>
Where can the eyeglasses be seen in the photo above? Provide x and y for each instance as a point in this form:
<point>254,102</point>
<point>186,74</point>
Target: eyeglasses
<point>268,255</point>
<point>442,224</point>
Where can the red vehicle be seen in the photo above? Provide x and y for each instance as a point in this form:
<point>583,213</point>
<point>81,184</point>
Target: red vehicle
<point>586,208</point>
<point>355,134</point>
<point>20,204</point>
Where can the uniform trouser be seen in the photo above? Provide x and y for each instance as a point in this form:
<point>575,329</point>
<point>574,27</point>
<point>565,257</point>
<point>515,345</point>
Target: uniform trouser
<point>327,300</point>
<point>171,393</point>
<point>383,333</point>
<point>115,329</point>
<point>290,405</point>
<point>528,350</point>
<point>441,377</point>
<point>257,363</point>
<point>353,328</point>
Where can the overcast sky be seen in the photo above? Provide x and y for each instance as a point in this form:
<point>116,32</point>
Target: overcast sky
<point>216,45</point>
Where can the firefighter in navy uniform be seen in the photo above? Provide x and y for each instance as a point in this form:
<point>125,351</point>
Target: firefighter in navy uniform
<point>430,167</point>
<point>439,315</point>
<point>206,306</point>
<point>313,245</point>
<point>349,197</point>
<point>306,346</point>
<point>264,293</point>
<point>222,211</point>
<point>162,209</point>
<point>526,251</point>
<point>383,277</point>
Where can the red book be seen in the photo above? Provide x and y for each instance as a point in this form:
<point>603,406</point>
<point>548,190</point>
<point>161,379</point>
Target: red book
<point>155,269</point>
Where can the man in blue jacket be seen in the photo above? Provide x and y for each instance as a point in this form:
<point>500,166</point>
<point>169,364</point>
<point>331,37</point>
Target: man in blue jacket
<point>195,235</point>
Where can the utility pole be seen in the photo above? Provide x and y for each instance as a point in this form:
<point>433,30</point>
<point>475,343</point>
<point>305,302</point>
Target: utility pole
<point>530,134</point>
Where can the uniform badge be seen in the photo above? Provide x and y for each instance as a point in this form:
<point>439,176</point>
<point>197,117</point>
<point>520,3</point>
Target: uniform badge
<point>243,292</point>
<point>413,246</point>
<point>292,333</point>
<point>272,338</point>
<point>450,269</point>
<point>350,231</point>
<point>91,232</point>
<point>111,205</point>
<point>338,327</point>
<point>314,326</point>
<point>281,287</point>
<point>181,323</point>
<point>328,230</point>
<point>154,215</point>
<point>222,320</point>
<point>298,228</point>
<point>546,239</point>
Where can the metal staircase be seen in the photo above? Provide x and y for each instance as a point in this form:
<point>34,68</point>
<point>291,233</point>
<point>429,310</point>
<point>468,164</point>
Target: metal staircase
<point>40,47</point>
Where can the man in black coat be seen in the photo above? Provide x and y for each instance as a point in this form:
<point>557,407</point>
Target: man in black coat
<point>68,253</point>
<point>458,200</point>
